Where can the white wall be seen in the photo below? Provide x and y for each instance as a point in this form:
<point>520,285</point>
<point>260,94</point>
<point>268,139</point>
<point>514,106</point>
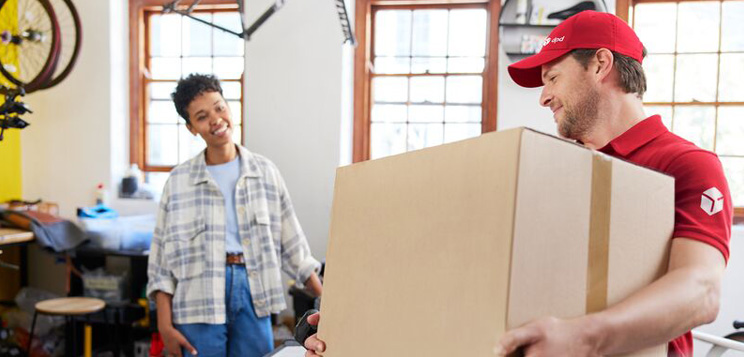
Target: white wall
<point>293,91</point>
<point>119,94</point>
<point>78,129</point>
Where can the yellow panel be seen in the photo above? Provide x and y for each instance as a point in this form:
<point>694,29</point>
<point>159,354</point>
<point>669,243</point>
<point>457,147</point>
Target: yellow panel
<point>10,147</point>
<point>10,166</point>
<point>9,22</point>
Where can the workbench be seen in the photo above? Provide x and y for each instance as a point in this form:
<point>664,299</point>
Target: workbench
<point>10,237</point>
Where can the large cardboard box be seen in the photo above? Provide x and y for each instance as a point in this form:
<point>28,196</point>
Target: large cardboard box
<point>438,252</point>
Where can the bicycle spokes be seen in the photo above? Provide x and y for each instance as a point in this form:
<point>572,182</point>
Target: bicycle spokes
<point>30,43</point>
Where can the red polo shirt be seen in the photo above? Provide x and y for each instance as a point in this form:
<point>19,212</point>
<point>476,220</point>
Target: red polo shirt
<point>703,207</point>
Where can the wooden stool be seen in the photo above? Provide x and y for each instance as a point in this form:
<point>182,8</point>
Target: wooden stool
<point>69,307</point>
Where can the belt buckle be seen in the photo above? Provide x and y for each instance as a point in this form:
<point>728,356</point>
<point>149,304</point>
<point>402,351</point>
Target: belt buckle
<point>235,259</point>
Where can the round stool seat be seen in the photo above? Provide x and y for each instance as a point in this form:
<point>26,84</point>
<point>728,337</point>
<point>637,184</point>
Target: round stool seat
<point>70,306</point>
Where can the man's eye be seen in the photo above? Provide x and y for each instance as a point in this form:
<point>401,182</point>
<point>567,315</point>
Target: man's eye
<point>552,79</point>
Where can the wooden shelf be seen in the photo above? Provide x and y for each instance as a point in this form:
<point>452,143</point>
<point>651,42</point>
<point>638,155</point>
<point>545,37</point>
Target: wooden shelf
<point>527,25</point>
<point>520,54</point>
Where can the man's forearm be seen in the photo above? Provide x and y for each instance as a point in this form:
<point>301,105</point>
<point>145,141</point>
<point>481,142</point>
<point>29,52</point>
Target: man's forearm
<point>681,300</point>
<point>163,302</point>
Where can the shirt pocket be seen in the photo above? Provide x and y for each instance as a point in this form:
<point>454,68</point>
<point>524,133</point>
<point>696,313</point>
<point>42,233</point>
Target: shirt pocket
<point>261,233</point>
<point>185,248</point>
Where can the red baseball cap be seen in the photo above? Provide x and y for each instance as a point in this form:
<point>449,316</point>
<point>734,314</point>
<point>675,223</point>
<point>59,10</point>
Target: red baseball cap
<point>585,30</point>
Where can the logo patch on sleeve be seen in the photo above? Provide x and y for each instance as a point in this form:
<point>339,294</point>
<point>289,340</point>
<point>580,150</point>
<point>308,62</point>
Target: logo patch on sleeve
<point>712,201</point>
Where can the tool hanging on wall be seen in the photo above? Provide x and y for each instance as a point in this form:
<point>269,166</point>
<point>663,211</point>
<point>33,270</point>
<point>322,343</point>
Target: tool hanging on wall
<point>248,32</point>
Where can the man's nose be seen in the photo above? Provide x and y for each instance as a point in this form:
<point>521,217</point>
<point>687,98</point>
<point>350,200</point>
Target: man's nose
<point>545,98</point>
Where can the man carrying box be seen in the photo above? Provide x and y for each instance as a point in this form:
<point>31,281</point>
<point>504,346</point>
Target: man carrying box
<point>593,81</point>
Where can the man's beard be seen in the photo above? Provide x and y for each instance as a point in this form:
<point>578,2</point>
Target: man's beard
<point>580,118</point>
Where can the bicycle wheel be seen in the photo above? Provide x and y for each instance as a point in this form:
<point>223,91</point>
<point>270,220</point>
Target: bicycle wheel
<point>29,42</point>
<point>71,37</point>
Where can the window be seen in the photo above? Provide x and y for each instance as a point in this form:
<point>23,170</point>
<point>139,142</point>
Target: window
<point>174,46</point>
<point>424,76</point>
<point>695,81</point>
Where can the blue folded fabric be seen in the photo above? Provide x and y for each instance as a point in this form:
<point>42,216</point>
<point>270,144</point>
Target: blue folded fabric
<point>99,211</point>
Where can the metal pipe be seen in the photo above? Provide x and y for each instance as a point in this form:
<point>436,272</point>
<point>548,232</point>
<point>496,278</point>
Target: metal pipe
<point>719,341</point>
<point>265,16</point>
<point>209,23</point>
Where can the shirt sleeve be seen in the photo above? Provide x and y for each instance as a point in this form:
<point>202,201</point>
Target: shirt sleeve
<point>703,206</point>
<point>297,260</point>
<point>159,276</point>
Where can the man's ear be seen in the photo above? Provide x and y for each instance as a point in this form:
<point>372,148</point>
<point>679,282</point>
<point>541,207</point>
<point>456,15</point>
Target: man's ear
<point>604,63</point>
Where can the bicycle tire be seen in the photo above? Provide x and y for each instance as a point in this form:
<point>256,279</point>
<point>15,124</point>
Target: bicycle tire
<point>50,63</point>
<point>56,78</point>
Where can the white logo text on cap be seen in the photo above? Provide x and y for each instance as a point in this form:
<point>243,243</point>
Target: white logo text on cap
<point>712,201</point>
<point>554,40</point>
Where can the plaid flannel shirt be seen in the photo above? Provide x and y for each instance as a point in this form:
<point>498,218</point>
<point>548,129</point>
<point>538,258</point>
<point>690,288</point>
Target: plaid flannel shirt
<point>187,254</point>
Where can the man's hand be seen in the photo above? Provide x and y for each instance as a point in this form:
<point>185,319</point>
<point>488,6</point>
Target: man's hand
<point>314,346</point>
<point>174,341</point>
<point>550,337</point>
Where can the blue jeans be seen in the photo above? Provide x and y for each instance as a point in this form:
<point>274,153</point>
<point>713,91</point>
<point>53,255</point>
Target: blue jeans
<point>244,334</point>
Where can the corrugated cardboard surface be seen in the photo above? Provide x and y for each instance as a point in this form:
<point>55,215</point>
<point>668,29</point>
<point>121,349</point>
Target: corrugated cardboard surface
<point>551,236</point>
<point>561,268</point>
<point>419,252</point>
<point>437,252</point>
<point>642,211</point>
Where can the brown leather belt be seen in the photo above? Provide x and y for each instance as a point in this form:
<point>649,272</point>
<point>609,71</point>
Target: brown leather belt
<point>235,258</point>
